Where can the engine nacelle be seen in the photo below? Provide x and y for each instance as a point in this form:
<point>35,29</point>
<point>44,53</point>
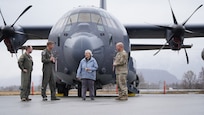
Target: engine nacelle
<point>202,54</point>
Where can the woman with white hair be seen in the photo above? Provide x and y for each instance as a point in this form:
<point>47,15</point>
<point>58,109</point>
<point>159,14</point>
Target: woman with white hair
<point>87,74</point>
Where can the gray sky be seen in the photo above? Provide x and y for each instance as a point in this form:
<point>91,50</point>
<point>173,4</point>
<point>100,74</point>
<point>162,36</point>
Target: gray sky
<point>45,12</point>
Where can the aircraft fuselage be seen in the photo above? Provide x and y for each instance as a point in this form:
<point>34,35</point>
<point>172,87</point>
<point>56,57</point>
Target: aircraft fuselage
<point>94,29</point>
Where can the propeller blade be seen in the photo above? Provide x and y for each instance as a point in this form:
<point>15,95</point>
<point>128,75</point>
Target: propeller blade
<point>190,32</point>
<point>160,49</point>
<point>21,15</point>
<point>192,14</point>
<point>165,27</point>
<point>3,18</point>
<point>170,38</point>
<point>21,33</point>
<point>161,26</point>
<point>187,59</point>
<point>173,15</point>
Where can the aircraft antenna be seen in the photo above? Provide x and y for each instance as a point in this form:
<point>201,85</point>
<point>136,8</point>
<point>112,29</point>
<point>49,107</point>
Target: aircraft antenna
<point>103,4</point>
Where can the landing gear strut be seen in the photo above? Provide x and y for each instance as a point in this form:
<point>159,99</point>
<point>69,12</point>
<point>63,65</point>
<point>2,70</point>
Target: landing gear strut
<point>79,89</point>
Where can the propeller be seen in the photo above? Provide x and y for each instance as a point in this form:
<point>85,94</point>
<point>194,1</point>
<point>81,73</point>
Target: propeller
<point>8,32</point>
<point>177,28</point>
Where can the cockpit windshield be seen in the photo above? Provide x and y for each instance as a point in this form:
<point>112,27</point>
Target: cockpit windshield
<point>84,17</point>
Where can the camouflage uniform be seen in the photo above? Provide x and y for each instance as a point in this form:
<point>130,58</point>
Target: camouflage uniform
<point>48,75</point>
<point>121,71</point>
<point>25,62</point>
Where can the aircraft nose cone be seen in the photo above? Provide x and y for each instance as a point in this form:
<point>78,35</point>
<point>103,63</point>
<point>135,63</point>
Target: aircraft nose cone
<point>75,46</point>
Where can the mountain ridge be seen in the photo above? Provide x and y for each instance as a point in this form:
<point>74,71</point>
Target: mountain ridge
<point>157,75</point>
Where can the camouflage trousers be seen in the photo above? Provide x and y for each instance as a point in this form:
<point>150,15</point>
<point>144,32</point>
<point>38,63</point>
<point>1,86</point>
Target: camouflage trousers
<point>121,81</point>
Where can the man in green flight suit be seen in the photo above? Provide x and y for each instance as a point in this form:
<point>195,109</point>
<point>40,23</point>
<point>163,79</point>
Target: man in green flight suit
<point>25,63</point>
<point>120,65</point>
<point>48,61</point>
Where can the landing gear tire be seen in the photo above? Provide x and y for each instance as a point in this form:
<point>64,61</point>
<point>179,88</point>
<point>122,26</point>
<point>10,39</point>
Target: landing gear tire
<point>137,81</point>
<point>63,89</point>
<point>79,90</point>
<point>95,89</point>
<point>95,92</point>
<point>66,92</point>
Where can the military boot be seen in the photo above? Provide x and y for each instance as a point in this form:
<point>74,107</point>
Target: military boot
<point>124,98</point>
<point>118,98</point>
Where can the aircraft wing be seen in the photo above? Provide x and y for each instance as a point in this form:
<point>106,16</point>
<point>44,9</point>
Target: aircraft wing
<point>153,32</point>
<point>141,31</point>
<point>37,47</point>
<point>35,33</point>
<point>134,31</point>
<point>137,47</point>
<point>198,31</point>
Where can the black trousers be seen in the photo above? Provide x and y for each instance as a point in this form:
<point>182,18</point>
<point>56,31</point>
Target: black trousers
<point>87,84</point>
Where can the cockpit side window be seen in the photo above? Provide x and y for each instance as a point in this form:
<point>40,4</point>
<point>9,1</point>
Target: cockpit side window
<point>59,24</point>
<point>104,21</point>
<point>108,22</point>
<point>84,17</point>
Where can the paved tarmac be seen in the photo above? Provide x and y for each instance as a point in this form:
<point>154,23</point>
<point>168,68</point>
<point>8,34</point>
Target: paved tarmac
<point>185,104</point>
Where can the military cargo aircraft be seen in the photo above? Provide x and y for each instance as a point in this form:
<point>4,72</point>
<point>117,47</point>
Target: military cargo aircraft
<point>95,29</point>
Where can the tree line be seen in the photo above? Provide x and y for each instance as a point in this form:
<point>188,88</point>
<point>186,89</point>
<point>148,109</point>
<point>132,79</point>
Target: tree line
<point>191,81</point>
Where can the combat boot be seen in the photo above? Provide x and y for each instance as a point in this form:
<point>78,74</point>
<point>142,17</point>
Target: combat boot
<point>118,98</point>
<point>124,98</point>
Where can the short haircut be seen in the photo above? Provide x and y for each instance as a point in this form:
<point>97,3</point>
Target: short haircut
<point>50,43</point>
<point>120,44</point>
<point>28,47</point>
<point>89,51</point>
